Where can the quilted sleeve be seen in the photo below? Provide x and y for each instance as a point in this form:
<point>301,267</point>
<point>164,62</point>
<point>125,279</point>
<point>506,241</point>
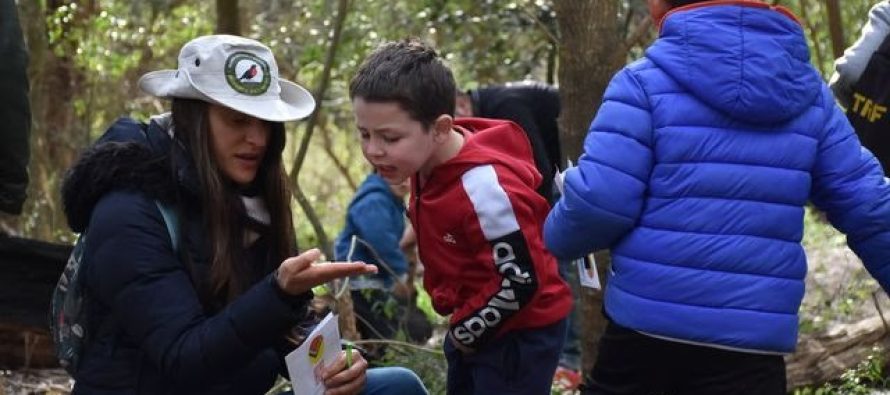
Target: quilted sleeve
<point>849,186</point>
<point>603,194</point>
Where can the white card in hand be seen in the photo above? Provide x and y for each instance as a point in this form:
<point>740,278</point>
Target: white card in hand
<point>587,273</point>
<point>321,348</point>
<point>560,176</point>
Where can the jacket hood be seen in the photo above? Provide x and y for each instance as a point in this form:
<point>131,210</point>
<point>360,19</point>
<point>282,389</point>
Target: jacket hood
<point>745,58</point>
<point>129,155</point>
<point>490,141</point>
<point>374,184</point>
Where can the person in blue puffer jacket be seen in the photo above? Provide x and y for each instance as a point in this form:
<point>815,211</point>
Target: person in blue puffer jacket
<point>695,173</point>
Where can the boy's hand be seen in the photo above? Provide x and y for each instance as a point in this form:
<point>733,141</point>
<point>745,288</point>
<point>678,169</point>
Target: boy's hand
<point>460,347</point>
<point>298,274</point>
<point>342,380</point>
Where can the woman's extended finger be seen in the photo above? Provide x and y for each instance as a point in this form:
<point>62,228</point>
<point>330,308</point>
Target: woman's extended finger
<point>297,263</point>
<point>327,271</point>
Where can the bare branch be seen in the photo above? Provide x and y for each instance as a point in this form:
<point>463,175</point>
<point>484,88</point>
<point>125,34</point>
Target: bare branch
<point>342,10</point>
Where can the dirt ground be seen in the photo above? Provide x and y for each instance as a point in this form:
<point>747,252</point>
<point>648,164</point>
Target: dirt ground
<point>35,382</point>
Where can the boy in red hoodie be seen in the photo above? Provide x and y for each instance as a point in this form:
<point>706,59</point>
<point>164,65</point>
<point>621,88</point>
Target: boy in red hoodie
<point>477,217</point>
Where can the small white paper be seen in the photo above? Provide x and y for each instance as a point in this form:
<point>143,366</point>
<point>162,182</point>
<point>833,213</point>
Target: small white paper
<point>321,348</point>
<point>560,176</point>
<point>587,273</point>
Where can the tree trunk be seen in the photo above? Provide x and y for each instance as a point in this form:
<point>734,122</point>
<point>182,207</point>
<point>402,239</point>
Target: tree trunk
<point>29,270</point>
<point>588,33</point>
<point>836,27</point>
<point>347,316</point>
<point>54,81</point>
<point>227,17</point>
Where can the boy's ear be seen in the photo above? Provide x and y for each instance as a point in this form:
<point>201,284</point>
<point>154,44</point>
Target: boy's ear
<point>442,127</point>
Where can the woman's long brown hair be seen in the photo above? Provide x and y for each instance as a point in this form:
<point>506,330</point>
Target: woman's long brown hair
<point>224,213</point>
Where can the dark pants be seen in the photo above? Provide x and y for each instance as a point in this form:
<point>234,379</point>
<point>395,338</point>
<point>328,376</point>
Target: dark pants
<point>520,362</point>
<point>633,363</point>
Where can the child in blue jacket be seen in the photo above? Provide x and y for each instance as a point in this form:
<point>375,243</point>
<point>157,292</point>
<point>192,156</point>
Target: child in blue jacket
<point>695,173</point>
<point>375,219</point>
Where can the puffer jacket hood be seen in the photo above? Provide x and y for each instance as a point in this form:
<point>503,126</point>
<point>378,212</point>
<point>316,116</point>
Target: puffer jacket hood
<point>744,73</point>
<point>375,184</point>
<point>129,156</point>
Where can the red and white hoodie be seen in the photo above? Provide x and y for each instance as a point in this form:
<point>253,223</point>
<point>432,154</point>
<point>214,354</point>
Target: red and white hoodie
<point>479,224</point>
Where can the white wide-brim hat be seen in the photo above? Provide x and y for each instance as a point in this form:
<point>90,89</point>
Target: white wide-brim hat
<point>234,72</point>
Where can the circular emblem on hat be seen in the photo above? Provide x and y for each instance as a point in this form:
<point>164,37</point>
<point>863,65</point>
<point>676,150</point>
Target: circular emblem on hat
<point>248,74</point>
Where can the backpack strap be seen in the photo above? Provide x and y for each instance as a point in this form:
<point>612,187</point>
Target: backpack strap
<point>172,222</point>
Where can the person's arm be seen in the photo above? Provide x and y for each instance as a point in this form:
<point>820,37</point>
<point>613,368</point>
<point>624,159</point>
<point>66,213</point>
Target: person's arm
<point>603,195</point>
<point>849,186</point>
<point>506,220</point>
<point>379,225</point>
<point>131,268</point>
<point>849,67</point>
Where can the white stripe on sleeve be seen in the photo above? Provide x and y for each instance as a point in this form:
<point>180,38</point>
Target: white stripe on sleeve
<point>490,201</point>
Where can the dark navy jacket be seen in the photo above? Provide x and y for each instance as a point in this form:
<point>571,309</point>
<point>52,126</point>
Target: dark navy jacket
<point>150,332</point>
<point>696,171</point>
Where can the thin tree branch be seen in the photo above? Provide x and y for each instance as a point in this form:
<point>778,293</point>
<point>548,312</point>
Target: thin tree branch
<point>817,51</point>
<point>342,10</point>
<point>329,150</point>
<point>551,36</point>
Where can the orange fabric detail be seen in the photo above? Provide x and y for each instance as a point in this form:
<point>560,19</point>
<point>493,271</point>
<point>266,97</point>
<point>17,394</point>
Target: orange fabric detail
<point>747,3</point>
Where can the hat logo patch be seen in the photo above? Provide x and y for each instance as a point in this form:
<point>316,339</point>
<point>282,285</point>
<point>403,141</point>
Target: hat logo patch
<point>248,74</point>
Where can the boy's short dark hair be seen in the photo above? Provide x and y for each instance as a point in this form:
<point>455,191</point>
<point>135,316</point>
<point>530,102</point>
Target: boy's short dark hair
<point>680,3</point>
<point>409,73</point>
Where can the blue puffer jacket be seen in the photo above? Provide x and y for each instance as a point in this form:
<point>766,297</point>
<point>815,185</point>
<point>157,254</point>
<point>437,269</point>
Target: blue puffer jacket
<point>695,172</point>
<point>376,216</point>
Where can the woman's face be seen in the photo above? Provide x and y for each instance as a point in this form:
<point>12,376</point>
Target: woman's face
<point>239,143</point>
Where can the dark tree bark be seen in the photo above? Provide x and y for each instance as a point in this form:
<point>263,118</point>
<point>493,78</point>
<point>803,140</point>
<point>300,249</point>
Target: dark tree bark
<point>589,31</point>
<point>836,28</point>
<point>56,133</point>
<point>29,270</point>
<point>227,17</point>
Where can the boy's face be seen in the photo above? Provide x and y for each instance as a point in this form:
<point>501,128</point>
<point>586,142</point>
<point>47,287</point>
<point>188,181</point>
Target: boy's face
<point>394,143</point>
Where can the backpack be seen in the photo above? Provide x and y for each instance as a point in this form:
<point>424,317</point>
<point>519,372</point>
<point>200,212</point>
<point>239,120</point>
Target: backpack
<point>869,104</point>
<point>68,308</point>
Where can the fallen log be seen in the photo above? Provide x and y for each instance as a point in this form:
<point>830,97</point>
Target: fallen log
<point>824,357</point>
<point>29,270</point>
